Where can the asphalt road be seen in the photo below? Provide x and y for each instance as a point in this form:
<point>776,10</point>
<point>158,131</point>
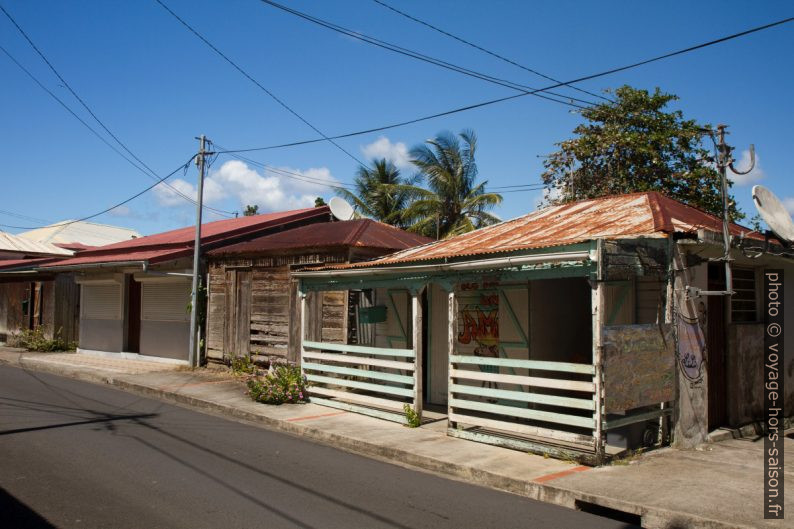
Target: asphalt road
<point>74,454</point>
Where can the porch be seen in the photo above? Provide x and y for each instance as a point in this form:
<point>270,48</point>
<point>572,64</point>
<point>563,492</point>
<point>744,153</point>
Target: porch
<point>512,350</point>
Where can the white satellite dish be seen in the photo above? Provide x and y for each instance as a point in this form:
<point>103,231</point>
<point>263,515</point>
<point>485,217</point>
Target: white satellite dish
<point>341,209</point>
<point>774,213</point>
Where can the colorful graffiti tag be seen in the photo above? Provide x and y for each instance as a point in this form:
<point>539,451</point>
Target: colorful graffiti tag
<point>480,324</point>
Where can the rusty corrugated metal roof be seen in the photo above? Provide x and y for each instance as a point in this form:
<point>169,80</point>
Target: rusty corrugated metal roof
<point>648,214</point>
<point>360,233</point>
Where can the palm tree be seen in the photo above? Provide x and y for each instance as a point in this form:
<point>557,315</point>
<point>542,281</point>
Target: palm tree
<point>380,193</point>
<point>454,202</point>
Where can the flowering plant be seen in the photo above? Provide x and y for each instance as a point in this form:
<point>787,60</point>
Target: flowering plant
<point>283,383</point>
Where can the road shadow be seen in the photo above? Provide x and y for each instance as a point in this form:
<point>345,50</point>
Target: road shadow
<point>18,515</point>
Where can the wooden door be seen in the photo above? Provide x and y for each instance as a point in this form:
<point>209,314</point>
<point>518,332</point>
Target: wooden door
<point>237,328</point>
<point>716,349</point>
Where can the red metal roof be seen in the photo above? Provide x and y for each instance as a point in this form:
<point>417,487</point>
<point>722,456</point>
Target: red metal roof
<point>648,214</point>
<point>178,243</point>
<point>360,233</point>
<point>25,264</point>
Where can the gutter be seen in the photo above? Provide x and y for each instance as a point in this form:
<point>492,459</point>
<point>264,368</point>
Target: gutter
<point>66,268</point>
<point>502,262</point>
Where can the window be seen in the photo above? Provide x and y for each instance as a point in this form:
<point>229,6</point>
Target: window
<point>744,303</point>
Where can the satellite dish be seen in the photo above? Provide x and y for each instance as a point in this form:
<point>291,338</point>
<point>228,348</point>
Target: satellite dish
<point>344,211</point>
<point>774,213</point>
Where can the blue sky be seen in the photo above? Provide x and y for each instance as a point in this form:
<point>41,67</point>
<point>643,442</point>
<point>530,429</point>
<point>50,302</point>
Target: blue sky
<point>156,86</point>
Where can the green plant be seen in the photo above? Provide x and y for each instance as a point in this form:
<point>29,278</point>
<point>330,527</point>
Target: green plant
<point>412,419</point>
<point>283,383</point>
<point>36,340</point>
<point>242,365</point>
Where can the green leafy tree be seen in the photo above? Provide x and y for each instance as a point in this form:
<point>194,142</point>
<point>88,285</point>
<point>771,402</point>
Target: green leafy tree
<point>636,144</point>
<point>319,202</point>
<point>251,210</point>
<point>381,193</point>
<point>454,202</point>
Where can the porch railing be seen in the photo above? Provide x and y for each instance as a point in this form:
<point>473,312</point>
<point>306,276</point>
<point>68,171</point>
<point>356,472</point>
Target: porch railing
<point>511,403</point>
<point>375,381</point>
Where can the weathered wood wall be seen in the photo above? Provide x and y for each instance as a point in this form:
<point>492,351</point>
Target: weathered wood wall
<point>12,318</point>
<point>254,308</point>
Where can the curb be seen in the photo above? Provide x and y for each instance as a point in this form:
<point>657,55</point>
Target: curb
<point>652,517</point>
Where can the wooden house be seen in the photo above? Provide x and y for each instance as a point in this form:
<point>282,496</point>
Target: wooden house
<point>254,306</point>
<point>577,330</point>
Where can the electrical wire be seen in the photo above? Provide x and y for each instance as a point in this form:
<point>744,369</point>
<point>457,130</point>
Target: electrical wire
<point>516,96</point>
<point>258,84</point>
<point>293,175</point>
<point>428,59</point>
<point>489,52</point>
<point>145,169</point>
<point>184,166</point>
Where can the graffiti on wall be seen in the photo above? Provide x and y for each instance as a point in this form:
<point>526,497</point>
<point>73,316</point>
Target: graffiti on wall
<point>691,345</point>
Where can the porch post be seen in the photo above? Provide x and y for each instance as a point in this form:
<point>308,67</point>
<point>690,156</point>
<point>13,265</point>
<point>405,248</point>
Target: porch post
<point>452,334</point>
<point>416,312</point>
<point>302,333</point>
<point>598,320</point>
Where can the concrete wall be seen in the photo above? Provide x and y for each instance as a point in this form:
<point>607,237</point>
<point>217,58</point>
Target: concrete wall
<point>166,339</point>
<point>102,335</point>
<point>690,415</point>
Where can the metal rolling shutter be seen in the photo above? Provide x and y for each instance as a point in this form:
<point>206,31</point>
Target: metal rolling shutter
<point>102,302</point>
<point>165,301</point>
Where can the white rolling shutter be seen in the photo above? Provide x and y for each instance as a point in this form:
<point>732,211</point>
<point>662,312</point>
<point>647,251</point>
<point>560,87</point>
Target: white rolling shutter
<point>165,301</point>
<point>101,302</point>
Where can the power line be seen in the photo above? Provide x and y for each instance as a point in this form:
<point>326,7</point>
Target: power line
<point>489,52</point>
<point>149,172</point>
<point>293,175</point>
<point>257,83</point>
<point>516,96</point>
<point>133,197</point>
<point>426,58</point>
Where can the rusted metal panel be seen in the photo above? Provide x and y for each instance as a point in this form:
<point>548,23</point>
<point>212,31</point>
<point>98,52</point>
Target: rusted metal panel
<point>638,365</point>
<point>360,233</point>
<point>635,215</point>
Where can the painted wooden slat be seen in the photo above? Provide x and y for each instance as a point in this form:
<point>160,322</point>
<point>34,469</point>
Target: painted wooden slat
<point>378,388</point>
<point>359,360</point>
<point>364,373</point>
<point>522,429</point>
<point>360,349</point>
<point>551,400</point>
<point>363,410</point>
<point>573,385</point>
<point>356,397</point>
<point>585,369</point>
<point>631,419</point>
<point>525,445</point>
<point>524,413</point>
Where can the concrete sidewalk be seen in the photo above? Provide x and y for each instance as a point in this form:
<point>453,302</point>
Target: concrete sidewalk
<point>719,486</point>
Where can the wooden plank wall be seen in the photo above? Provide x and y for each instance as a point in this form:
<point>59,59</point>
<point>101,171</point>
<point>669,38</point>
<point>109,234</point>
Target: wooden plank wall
<point>261,315</point>
<point>12,318</point>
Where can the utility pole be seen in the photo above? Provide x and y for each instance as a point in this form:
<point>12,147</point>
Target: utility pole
<point>193,356</point>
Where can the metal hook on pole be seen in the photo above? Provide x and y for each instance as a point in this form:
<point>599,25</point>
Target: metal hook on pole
<point>752,163</point>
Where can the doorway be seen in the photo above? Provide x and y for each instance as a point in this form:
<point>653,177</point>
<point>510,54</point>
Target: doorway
<point>716,343</point>
<point>134,316</point>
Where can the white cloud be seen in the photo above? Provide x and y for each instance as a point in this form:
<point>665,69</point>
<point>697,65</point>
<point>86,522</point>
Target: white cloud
<point>750,178</point>
<point>278,189</point>
<point>397,153</point>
